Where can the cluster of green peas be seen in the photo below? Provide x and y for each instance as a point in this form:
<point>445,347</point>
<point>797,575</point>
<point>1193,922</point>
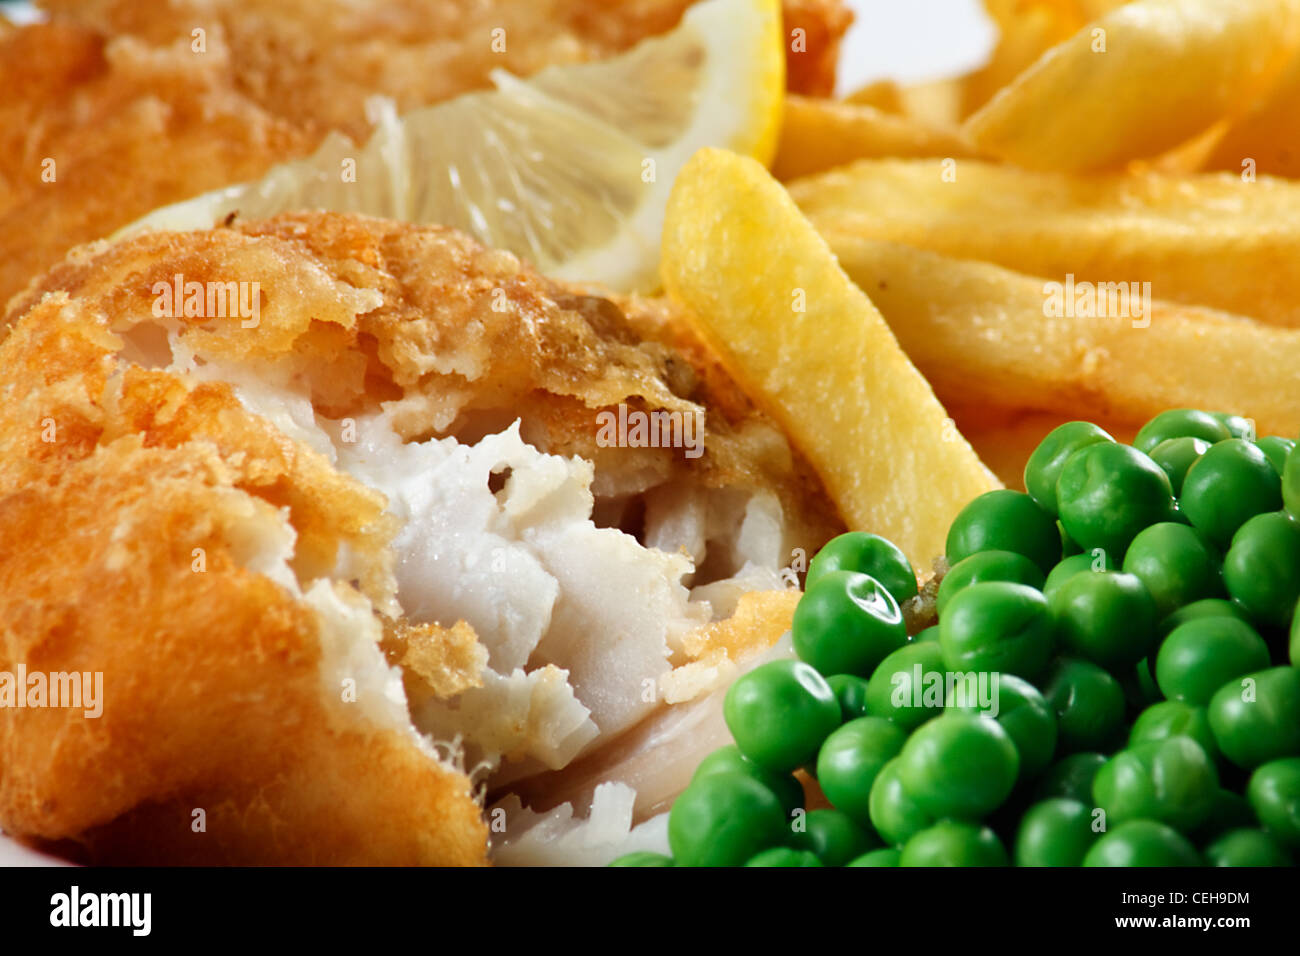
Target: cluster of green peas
<point>1136,610</point>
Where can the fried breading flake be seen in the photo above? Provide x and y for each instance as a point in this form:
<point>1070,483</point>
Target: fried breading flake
<point>435,660</point>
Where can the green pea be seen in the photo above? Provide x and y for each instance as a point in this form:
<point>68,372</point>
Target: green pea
<point>1262,568</point>
<point>1142,843</point>
<point>1176,455</point>
<point>1022,712</point>
<point>1106,617</point>
<point>959,765</point>
<point>895,814</point>
<point>851,691</point>
<point>1170,780</point>
<point>643,858</point>
<point>1207,607</point>
<point>1070,777</point>
<point>908,685</point>
<point>866,554</point>
<point>1044,466</point>
<point>987,566</point>
<point>1199,657</point>
<point>1294,648</point>
<point>1180,423</point>
<point>1088,702</point>
<point>779,713</point>
<point>1257,718</point>
<point>1174,718</point>
<point>1176,564</point>
<point>997,626</point>
<point>784,786</point>
<point>834,837</point>
<point>1141,689</point>
<point>885,856</point>
<point>1005,520</point>
<point>1095,560</point>
<point>1055,832</point>
<point>930,633</point>
<point>1108,493</point>
<point>1230,483</point>
<point>846,623</point>
<point>850,760</point>
<point>1237,425</point>
<point>1228,811</point>
<point>723,820</point>
<point>1291,484</point>
<point>954,843</point>
<point>1247,848</point>
<point>1276,450</point>
<point>1069,546</point>
<point>1274,794</point>
<point>784,856</point>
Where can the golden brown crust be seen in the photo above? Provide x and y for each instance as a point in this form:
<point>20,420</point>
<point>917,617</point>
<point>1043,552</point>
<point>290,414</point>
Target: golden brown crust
<point>314,807</point>
<point>125,500</point>
<point>812,71</point>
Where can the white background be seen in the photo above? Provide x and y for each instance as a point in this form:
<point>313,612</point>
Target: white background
<point>913,40</point>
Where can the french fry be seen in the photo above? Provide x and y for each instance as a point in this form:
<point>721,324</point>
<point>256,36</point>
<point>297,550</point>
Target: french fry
<point>805,343</point>
<point>935,103</point>
<point>820,134</point>
<point>884,95</point>
<point>993,336</point>
<point>1139,81</point>
<point>1006,12</point>
<point>1027,31</point>
<point>1267,139</point>
<point>1210,239</point>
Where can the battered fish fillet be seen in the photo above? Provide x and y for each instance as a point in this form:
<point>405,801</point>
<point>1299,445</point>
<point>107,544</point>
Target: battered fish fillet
<point>339,526</point>
<point>114,94</point>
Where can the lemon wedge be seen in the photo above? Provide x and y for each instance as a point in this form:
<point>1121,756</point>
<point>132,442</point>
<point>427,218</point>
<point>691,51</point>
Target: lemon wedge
<point>570,168</point>
<point>766,292</point>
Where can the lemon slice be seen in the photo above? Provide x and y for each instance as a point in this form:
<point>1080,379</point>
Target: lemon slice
<point>570,169</point>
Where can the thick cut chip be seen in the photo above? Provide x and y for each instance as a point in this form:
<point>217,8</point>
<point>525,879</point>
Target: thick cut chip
<point>811,349</point>
<point>934,102</point>
<point>1027,29</point>
<point>1210,240</point>
<point>1267,139</point>
<point>820,134</point>
<point>993,336</point>
<point>1139,81</point>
